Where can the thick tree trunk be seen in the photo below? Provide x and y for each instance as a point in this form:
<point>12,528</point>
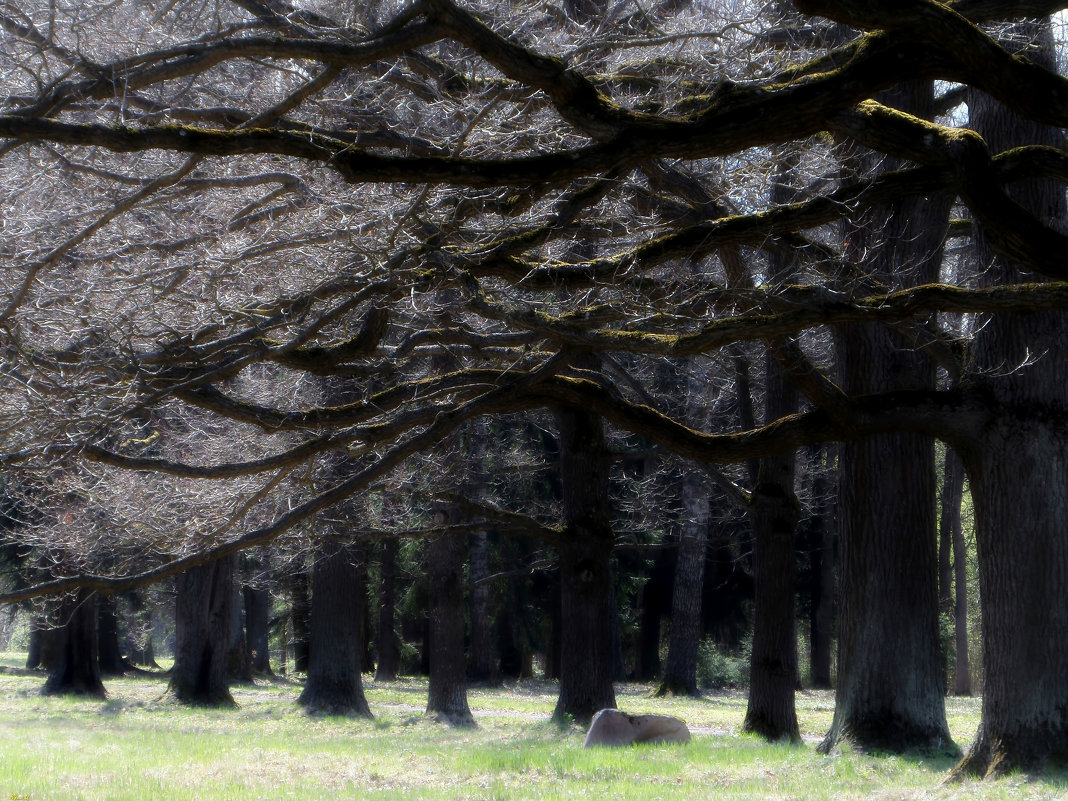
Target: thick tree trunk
<point>203,618</point>
<point>774,513</point>
<point>334,685</point>
<point>76,670</point>
<point>771,711</point>
<point>480,666</point>
<point>890,698</point>
<point>585,570</point>
<point>680,667</point>
<point>1018,473</point>
<point>388,653</point>
<point>448,662</point>
<point>1019,480</point>
<point>110,653</point>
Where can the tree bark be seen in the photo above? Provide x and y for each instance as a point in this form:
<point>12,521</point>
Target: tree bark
<point>513,625</point>
<point>774,512</point>
<point>33,650</point>
<point>949,521</point>
<point>110,653</point>
<point>680,667</point>
<point>300,613</point>
<point>257,629</point>
<point>771,710</point>
<point>45,637</point>
<point>655,599</point>
<point>334,685</point>
<point>240,668</point>
<point>953,532</point>
<point>1018,473</point>
<point>448,662</point>
<point>1019,480</point>
<point>480,666</point>
<point>890,698</point>
<point>203,618</point>
<point>76,670</point>
<point>585,570</point>
<point>821,545</point>
<point>388,653</point>
<point>962,682</point>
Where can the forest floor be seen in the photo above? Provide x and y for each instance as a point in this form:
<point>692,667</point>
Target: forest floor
<point>137,746</point>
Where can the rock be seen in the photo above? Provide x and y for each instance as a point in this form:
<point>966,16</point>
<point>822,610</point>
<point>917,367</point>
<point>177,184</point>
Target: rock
<point>612,727</point>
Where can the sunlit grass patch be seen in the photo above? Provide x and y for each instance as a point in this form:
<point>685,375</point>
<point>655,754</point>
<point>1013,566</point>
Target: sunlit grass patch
<point>137,745</point>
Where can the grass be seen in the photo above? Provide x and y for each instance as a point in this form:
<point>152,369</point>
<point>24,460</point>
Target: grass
<point>136,746</point>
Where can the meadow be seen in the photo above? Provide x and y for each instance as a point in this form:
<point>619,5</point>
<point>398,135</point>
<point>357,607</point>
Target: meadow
<point>136,745</point>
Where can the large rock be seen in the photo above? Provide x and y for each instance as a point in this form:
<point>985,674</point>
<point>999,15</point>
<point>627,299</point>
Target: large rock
<point>612,727</point>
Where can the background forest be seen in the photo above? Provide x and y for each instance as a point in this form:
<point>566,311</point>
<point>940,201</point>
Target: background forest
<point>671,341</point>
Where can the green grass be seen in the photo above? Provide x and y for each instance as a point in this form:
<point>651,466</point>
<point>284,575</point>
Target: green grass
<point>137,746</point>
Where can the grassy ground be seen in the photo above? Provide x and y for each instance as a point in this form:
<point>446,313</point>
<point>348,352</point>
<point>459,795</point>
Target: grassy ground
<point>135,746</point>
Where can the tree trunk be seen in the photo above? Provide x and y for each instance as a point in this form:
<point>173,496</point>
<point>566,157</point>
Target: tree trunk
<point>949,523</point>
<point>257,629</point>
<point>953,532</point>
<point>140,648</point>
<point>76,670</point>
<point>239,666</point>
<point>821,545</point>
<point>962,683</point>
<point>388,654</point>
<point>774,513</point>
<point>33,650</point>
<point>890,698</point>
<point>680,668</point>
<point>334,685</point>
<point>1018,473</point>
<point>202,634</point>
<point>512,626</point>
<point>771,711</point>
<point>110,653</point>
<point>480,667</point>
<point>1019,480</point>
<point>655,601</point>
<point>585,570</point>
<point>448,663</point>
<point>300,613</point>
<point>46,637</point>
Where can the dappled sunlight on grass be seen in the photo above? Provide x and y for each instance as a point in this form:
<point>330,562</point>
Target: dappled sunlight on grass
<point>136,745</point>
